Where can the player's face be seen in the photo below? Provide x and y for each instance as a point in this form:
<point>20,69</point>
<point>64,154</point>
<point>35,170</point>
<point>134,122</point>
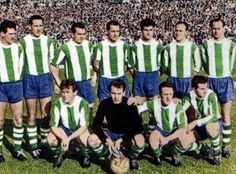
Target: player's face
<point>180,32</point>
<point>147,33</point>
<point>166,95</point>
<point>114,33</point>
<point>202,89</point>
<point>117,94</point>
<point>36,28</point>
<point>217,30</point>
<point>9,37</point>
<point>68,95</point>
<point>79,35</point>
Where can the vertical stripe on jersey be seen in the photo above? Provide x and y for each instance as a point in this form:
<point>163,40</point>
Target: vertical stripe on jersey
<point>218,59</point>
<point>68,63</point>
<point>82,62</point>
<point>113,60</point>
<point>147,57</point>
<point>165,119</point>
<point>9,64</point>
<point>71,119</point>
<point>226,58</point>
<point>180,61</point>
<point>38,55</point>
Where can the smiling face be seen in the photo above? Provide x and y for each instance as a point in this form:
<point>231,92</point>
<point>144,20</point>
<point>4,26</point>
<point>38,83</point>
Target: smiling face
<point>36,28</point>
<point>113,33</point>
<point>9,37</point>
<point>79,36</point>
<point>217,30</point>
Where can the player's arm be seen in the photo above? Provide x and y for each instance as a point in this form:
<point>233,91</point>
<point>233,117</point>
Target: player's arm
<point>97,56</point>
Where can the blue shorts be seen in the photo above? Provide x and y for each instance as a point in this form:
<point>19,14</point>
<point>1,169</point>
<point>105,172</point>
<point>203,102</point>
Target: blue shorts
<point>201,130</point>
<point>146,84</point>
<point>162,132</point>
<point>37,86</point>
<point>85,90</point>
<point>11,92</point>
<point>223,87</point>
<point>113,136</point>
<point>103,84</point>
<point>67,130</point>
<point>182,86</point>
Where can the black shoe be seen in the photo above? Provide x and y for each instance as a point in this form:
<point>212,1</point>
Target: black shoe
<point>57,162</point>
<point>176,160</point>
<point>225,152</point>
<point>36,154</point>
<point>216,160</point>
<point>85,162</point>
<point>157,160</point>
<point>19,155</point>
<point>133,164</point>
<point>2,159</point>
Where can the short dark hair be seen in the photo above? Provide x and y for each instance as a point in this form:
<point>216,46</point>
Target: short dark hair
<point>183,23</point>
<point>118,83</point>
<point>166,84</point>
<point>197,79</point>
<point>146,23</point>
<point>7,24</point>
<point>77,25</point>
<point>108,26</point>
<point>217,20</point>
<point>67,83</point>
<point>35,17</point>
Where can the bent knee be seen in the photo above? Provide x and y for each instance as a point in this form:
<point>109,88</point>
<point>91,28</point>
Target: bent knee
<point>93,140</point>
<point>139,140</point>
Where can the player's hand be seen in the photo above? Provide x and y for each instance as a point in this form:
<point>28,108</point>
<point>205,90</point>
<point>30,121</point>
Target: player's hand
<point>65,144</point>
<point>132,101</point>
<point>163,141</point>
<point>191,126</point>
<point>56,89</point>
<point>176,100</point>
<point>109,144</point>
<point>117,144</point>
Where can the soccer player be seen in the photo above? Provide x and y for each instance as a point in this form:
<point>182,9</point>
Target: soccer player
<point>117,123</point>
<point>205,116</point>
<point>111,55</point>
<point>11,90</point>
<point>69,121</point>
<point>37,81</point>
<point>170,119</point>
<point>181,60</point>
<point>77,59</point>
<point>218,59</point>
<point>146,55</point>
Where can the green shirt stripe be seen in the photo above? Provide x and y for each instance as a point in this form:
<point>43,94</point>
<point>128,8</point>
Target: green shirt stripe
<point>147,57</point>
<point>180,60</point>
<point>82,61</point>
<point>9,64</point>
<point>38,55</point>
<point>218,59</point>
<point>113,60</point>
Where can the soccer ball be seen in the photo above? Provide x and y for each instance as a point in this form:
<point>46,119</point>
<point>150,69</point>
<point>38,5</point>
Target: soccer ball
<point>120,165</point>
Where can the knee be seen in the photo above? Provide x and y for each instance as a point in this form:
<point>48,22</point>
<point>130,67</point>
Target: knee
<point>213,129</point>
<point>154,138</point>
<point>52,141</point>
<point>18,121</point>
<point>84,137</point>
<point>31,120</point>
<point>139,140</point>
<point>93,141</point>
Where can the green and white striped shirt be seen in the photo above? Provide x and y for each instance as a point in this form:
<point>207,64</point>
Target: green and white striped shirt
<point>146,56</point>
<point>180,59</point>
<point>77,59</point>
<point>38,54</point>
<point>11,62</point>
<point>112,58</point>
<point>168,117</point>
<point>70,116</point>
<point>207,108</point>
<point>218,57</point>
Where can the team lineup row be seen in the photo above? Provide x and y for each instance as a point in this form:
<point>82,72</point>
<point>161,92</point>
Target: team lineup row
<point>34,58</point>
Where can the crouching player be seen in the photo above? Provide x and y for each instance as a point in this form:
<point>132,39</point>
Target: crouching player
<point>170,120</point>
<point>205,115</point>
<point>69,121</point>
<point>117,123</point>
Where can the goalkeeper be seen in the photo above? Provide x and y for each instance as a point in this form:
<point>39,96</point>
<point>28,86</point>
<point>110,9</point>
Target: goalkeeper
<point>115,123</point>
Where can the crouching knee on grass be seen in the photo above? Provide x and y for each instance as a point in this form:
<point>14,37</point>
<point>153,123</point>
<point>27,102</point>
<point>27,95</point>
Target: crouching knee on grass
<point>69,121</point>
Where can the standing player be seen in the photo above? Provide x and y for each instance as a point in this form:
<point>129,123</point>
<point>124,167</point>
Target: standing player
<point>37,81</point>
<point>69,121</point>
<point>117,123</point>
<point>181,60</point>
<point>218,59</point>
<point>146,55</point>
<point>77,59</point>
<point>205,117</point>
<point>110,57</point>
<point>169,121</point>
<point>11,90</point>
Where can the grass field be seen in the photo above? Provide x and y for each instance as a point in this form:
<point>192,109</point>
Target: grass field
<point>71,166</point>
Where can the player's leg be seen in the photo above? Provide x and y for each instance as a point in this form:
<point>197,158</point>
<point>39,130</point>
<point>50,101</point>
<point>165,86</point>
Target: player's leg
<point>3,106</point>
